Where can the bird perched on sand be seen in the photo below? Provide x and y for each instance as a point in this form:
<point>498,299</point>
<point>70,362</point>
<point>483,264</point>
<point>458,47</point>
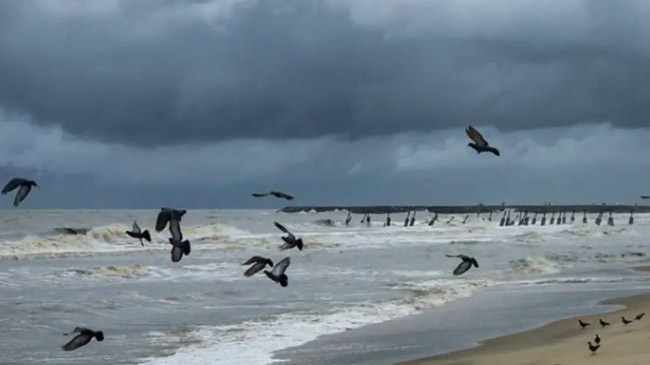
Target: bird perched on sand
<point>276,194</point>
<point>277,273</point>
<point>465,265</point>
<point>137,233</point>
<point>24,185</point>
<point>625,321</point>
<point>639,316</point>
<point>603,323</point>
<point>479,143</point>
<point>593,348</point>
<point>290,240</point>
<point>83,338</point>
<point>583,324</point>
<point>259,264</point>
<point>597,339</point>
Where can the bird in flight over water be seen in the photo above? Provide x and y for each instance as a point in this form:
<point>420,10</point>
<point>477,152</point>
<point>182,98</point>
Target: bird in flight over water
<point>479,143</point>
<point>276,194</point>
<point>25,187</point>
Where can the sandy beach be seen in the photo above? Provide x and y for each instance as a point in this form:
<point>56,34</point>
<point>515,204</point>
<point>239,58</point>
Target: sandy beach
<point>565,342</point>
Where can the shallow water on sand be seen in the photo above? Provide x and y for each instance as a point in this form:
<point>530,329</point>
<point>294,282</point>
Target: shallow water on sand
<point>203,311</point>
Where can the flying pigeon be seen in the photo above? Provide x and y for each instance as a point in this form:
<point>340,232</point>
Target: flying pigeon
<point>480,144</point>
<point>25,187</point>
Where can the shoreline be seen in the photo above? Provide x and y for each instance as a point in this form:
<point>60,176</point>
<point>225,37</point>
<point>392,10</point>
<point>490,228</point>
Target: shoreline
<point>564,341</point>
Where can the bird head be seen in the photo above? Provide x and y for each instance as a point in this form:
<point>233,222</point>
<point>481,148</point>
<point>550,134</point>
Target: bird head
<point>35,184</point>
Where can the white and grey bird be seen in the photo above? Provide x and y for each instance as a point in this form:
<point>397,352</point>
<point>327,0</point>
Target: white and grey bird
<point>83,338</point>
<point>136,232</point>
<point>259,263</point>
<point>24,187</point>
<point>166,214</point>
<point>465,265</point>
<point>290,240</point>
<point>277,273</point>
<point>479,143</point>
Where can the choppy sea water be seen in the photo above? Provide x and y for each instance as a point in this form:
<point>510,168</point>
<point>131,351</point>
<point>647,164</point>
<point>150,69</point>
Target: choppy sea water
<point>204,311</point>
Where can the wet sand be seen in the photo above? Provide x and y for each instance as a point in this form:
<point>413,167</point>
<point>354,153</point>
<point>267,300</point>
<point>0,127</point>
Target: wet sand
<point>565,342</point>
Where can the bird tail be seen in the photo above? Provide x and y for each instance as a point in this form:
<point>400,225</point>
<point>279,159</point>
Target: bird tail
<point>146,235</point>
<point>99,336</point>
<point>185,246</point>
<point>299,243</point>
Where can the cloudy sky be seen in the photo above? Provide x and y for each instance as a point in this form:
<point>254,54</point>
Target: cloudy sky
<point>197,103</point>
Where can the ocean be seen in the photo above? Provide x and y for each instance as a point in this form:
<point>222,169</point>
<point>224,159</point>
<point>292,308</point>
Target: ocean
<point>358,294</point>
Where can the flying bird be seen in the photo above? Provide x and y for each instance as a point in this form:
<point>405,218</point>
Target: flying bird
<point>480,144</point>
<point>639,316</point>
<point>465,265</point>
<point>277,273</point>
<point>603,323</point>
<point>259,264</point>
<point>166,214</point>
<point>179,247</point>
<point>593,348</point>
<point>83,338</point>
<point>597,339</point>
<point>583,324</point>
<point>136,232</point>
<point>290,240</point>
<point>276,194</point>
<point>24,187</point>
<point>625,321</point>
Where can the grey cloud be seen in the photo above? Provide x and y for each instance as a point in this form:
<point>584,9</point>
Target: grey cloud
<point>158,72</point>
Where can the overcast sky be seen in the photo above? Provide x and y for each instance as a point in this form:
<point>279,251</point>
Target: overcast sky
<point>198,103</point>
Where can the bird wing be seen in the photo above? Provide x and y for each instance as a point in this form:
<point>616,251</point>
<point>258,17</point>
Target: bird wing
<point>281,267</point>
<point>462,267</point>
<point>282,228</point>
<point>175,229</point>
<point>255,268</point>
<point>163,217</point>
<point>253,259</point>
<point>21,194</point>
<point>642,196</point>
<point>259,195</point>
<point>13,184</point>
<point>78,341</point>
<point>136,228</point>
<point>282,195</point>
<point>475,136</point>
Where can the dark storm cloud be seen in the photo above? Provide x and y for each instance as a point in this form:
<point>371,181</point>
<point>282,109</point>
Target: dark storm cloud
<point>163,72</point>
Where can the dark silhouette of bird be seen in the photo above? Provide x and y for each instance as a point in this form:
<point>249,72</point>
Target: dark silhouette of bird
<point>583,324</point>
<point>277,273</point>
<point>479,143</point>
<point>290,240</point>
<point>179,247</point>
<point>137,233</point>
<point>276,194</point>
<point>259,264</point>
<point>406,220</point>
<point>348,219</point>
<point>593,348</point>
<point>603,323</point>
<point>83,338</point>
<point>625,321</point>
<point>166,214</point>
<point>465,265</point>
<point>24,185</point>
<point>597,339</point>
<point>639,316</point>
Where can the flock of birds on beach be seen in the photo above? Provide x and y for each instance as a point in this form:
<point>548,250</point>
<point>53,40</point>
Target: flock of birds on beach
<point>181,247</point>
<point>596,345</point>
